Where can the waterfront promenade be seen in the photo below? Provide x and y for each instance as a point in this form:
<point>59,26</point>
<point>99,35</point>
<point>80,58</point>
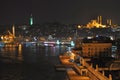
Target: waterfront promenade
<point>83,71</point>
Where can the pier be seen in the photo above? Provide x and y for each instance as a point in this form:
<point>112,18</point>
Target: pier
<point>84,71</point>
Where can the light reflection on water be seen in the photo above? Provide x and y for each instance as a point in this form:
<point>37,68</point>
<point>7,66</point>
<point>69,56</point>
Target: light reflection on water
<point>31,63</point>
<point>20,52</point>
<point>14,53</point>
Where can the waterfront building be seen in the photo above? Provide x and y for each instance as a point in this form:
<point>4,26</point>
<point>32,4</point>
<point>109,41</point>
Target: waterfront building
<point>9,37</point>
<point>96,49</point>
<point>98,46</point>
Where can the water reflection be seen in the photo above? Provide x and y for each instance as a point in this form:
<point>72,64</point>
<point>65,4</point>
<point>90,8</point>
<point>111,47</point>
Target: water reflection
<point>33,63</point>
<point>22,53</point>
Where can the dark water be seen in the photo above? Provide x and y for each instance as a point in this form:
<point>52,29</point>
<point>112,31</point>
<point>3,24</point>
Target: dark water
<point>35,63</point>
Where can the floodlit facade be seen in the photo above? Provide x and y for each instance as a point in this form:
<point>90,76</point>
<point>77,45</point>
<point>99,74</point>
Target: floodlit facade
<point>96,49</point>
<point>95,24</point>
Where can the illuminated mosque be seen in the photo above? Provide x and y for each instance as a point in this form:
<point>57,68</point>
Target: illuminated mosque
<point>97,23</point>
<point>9,38</point>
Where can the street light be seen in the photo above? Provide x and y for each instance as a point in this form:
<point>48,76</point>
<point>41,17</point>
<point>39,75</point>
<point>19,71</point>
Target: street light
<point>78,26</point>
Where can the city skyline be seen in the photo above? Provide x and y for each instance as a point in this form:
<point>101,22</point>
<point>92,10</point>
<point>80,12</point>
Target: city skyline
<point>64,11</point>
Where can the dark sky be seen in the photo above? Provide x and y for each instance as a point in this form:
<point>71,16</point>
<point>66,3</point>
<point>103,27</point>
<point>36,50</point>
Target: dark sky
<point>64,11</point>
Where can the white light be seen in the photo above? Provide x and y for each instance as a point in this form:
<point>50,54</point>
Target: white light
<point>58,42</point>
<point>72,43</point>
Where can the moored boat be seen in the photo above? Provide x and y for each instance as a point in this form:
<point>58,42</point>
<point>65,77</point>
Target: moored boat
<point>69,57</point>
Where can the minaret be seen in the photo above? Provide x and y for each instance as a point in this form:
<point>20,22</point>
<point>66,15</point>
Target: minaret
<point>13,30</point>
<point>109,21</point>
<point>31,20</point>
<point>100,19</point>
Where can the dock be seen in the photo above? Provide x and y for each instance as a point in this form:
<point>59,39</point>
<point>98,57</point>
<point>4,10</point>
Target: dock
<point>80,72</point>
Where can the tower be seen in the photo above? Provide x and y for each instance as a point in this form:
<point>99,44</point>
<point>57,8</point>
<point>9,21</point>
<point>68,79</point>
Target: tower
<point>31,20</point>
<point>13,30</point>
<point>109,21</point>
<point>99,19</point>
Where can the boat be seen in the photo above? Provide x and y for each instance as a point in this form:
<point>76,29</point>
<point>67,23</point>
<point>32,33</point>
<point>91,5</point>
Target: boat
<point>69,57</point>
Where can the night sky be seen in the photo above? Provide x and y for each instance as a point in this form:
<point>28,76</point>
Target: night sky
<point>63,11</point>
